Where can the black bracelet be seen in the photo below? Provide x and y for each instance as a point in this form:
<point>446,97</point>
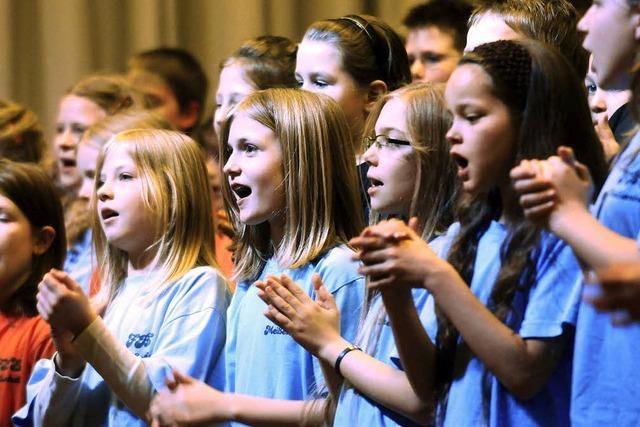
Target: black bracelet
<point>341,356</point>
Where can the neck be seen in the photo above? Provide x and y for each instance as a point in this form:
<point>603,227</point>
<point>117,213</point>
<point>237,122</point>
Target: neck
<point>141,263</point>
<point>276,230</point>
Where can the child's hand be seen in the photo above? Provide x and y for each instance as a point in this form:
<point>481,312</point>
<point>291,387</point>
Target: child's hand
<point>189,402</point>
<point>313,324</point>
<point>552,190</point>
<point>62,303</point>
<point>616,289</point>
<point>607,138</point>
<point>406,263</point>
<point>376,237</point>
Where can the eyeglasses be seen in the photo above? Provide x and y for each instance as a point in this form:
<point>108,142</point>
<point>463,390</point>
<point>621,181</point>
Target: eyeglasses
<point>382,141</point>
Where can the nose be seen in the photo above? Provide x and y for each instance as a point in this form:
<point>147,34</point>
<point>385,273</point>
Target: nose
<point>583,24</point>
<point>598,103</point>
<point>104,192</point>
<point>453,135</point>
<point>417,70</point>
<point>86,189</point>
<point>371,155</point>
<point>66,140</point>
<point>219,116</point>
<point>231,167</point>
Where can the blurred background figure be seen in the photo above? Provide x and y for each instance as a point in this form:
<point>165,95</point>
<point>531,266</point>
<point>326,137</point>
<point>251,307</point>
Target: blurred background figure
<point>437,33</point>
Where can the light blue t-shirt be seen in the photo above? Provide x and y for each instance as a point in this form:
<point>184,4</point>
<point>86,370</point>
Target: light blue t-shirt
<point>606,366</point>
<point>79,261</point>
<point>546,310</point>
<point>182,328</point>
<point>354,408</point>
<point>261,358</point>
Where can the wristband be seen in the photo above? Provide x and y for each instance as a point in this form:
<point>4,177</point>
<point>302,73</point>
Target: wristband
<point>341,356</point>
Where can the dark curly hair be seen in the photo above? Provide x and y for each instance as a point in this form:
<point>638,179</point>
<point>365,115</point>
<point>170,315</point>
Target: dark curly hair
<point>527,77</point>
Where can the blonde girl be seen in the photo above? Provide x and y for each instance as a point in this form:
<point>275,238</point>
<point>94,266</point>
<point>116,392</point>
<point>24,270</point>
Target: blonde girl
<point>411,174</point>
<point>290,190</point>
<point>85,104</point>
<point>162,297</point>
<point>259,63</point>
<point>79,263</point>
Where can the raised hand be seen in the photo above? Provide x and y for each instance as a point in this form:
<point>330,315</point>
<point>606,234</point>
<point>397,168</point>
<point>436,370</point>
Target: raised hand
<point>63,304</point>
<point>409,262</point>
<point>552,190</point>
<point>312,323</point>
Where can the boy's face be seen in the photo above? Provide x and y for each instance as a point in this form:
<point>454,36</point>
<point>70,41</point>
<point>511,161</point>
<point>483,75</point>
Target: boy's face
<point>432,54</point>
<point>488,28</point>
<point>162,99</point>
<point>612,31</point>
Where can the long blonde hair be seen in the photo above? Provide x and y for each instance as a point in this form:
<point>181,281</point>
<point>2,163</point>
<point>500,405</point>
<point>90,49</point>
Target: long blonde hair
<point>320,180</point>
<point>175,187</point>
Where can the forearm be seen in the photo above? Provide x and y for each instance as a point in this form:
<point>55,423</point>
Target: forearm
<point>594,244</point>
<point>331,379</point>
<point>259,411</point>
<point>522,366</point>
<point>417,352</point>
<point>122,371</point>
<point>377,380</point>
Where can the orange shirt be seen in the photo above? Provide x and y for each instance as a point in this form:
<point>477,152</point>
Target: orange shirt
<point>23,341</point>
<point>224,257</point>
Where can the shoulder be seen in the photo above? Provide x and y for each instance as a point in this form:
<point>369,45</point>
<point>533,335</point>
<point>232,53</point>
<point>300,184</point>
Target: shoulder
<point>442,243</point>
<point>200,287</point>
<point>337,268</point>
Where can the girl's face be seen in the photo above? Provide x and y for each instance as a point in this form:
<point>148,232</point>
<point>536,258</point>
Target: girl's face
<point>125,219</point>
<point>319,69</point>
<point>18,244</point>
<point>611,27</point>
<point>75,115</point>
<point>392,167</point>
<point>254,171</point>
<point>482,136</point>
<point>232,88</point>
<point>87,159</point>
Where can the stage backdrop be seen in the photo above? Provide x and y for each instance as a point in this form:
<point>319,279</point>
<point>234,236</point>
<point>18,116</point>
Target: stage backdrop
<point>47,45</point>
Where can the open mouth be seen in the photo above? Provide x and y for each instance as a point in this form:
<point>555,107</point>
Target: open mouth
<point>460,161</point>
<point>68,163</point>
<point>108,213</point>
<point>241,191</point>
<point>375,182</point>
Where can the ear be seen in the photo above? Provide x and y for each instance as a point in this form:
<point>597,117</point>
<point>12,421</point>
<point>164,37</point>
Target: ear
<point>376,89</point>
<point>189,118</point>
<point>43,239</point>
